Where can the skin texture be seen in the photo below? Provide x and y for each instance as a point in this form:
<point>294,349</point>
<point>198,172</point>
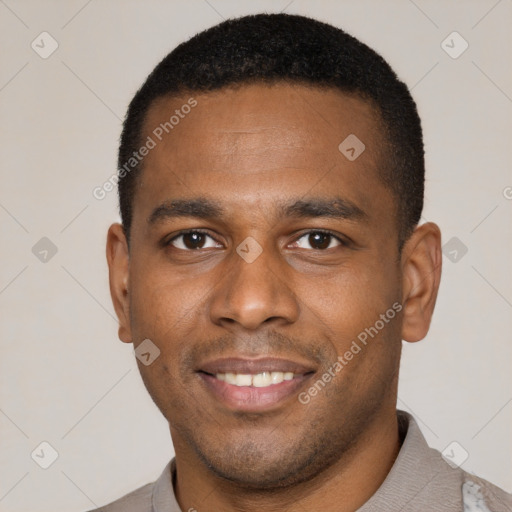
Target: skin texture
<point>251,149</point>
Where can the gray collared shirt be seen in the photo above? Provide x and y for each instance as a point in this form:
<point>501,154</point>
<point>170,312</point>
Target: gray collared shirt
<point>420,480</point>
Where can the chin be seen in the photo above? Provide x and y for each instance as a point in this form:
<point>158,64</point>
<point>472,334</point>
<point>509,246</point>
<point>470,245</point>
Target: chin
<point>254,466</point>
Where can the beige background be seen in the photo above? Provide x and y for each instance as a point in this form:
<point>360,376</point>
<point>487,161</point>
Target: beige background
<point>65,377</point>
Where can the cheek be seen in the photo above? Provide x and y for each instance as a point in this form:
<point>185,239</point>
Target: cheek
<point>167,387</point>
<point>352,299</point>
<point>162,303</point>
<point>361,315</point>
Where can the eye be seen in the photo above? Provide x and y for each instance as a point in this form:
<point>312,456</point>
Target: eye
<point>192,240</point>
<point>319,240</point>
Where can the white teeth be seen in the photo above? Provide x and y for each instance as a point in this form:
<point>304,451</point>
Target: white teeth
<point>259,380</point>
<point>277,377</point>
<point>243,380</point>
<point>230,378</point>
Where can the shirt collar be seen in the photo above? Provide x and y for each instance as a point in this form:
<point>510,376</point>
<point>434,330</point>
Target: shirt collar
<point>420,479</point>
<point>163,498</point>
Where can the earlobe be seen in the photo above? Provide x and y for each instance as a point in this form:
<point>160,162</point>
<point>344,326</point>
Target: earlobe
<point>421,270</point>
<point>119,265</point>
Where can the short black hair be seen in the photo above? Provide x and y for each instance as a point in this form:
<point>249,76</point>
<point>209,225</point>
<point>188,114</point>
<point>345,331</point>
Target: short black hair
<point>273,48</point>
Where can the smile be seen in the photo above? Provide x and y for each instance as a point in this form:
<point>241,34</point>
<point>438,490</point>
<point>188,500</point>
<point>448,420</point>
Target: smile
<point>259,380</point>
<point>253,385</point>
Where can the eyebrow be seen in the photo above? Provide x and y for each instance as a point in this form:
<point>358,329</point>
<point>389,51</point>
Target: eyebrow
<point>202,208</point>
<point>336,208</point>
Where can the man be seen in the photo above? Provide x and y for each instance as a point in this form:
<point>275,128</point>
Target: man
<point>269,265</point>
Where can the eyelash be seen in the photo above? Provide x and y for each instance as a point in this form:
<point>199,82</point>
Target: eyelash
<point>343,243</point>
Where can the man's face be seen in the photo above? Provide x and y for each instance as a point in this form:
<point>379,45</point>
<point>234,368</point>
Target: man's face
<point>258,246</point>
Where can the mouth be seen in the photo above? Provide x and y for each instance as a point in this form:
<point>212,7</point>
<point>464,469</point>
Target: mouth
<point>253,385</point>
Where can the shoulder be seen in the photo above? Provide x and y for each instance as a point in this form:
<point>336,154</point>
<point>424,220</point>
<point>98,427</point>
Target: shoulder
<point>136,501</point>
<point>480,495</point>
<point>156,496</point>
<point>431,481</point>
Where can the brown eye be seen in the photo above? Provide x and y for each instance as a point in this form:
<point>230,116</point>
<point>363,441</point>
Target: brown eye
<point>193,240</point>
<point>318,240</point>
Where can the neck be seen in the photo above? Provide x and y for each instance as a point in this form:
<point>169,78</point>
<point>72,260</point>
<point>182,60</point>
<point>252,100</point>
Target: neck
<point>344,486</point>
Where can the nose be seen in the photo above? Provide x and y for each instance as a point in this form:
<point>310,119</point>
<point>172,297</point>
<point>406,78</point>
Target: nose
<point>253,293</point>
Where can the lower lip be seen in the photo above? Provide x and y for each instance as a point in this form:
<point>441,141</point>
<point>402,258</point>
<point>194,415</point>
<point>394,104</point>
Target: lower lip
<point>249,398</point>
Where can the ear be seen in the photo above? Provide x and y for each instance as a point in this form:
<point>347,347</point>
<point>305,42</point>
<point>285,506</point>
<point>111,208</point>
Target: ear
<point>421,270</point>
<point>118,266</point>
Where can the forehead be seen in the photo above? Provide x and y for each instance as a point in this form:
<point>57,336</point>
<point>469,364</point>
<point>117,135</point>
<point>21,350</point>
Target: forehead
<point>254,114</point>
<point>262,143</point>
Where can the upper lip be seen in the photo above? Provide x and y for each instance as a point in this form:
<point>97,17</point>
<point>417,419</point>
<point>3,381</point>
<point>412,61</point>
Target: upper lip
<point>254,366</point>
